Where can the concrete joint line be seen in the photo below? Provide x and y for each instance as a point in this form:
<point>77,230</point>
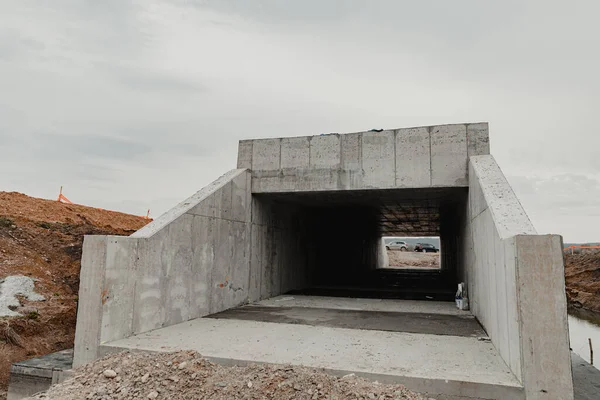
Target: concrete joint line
<point>430,158</point>
<point>484,210</point>
<point>219,218</point>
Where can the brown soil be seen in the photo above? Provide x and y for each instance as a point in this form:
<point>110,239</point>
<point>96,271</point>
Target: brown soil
<point>185,375</point>
<point>43,239</point>
<point>582,275</point>
<point>411,259</point>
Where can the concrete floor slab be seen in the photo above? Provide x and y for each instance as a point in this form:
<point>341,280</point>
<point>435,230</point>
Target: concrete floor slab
<point>361,304</point>
<point>450,365</point>
<point>433,324</point>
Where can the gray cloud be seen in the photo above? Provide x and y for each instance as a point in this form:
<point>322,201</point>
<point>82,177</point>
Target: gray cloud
<point>150,81</point>
<point>136,105</point>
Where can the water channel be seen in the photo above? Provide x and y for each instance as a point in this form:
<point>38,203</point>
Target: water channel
<point>584,325</point>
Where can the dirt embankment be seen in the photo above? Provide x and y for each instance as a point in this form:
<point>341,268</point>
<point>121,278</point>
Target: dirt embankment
<point>42,239</point>
<point>582,275</point>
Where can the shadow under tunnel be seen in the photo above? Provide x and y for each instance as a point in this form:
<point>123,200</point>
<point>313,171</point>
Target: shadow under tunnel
<point>335,239</point>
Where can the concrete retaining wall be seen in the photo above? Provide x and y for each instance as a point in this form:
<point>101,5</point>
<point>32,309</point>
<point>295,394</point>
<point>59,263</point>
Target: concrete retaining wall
<point>190,262</point>
<point>516,284</point>
<point>403,158</point>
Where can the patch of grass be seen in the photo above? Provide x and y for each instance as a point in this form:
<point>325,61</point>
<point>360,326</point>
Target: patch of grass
<point>6,222</point>
<point>33,315</point>
<point>56,294</point>
<point>45,225</point>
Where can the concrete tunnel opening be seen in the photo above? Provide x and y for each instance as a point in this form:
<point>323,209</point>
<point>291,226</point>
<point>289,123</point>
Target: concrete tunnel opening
<point>335,246</point>
<point>281,258</point>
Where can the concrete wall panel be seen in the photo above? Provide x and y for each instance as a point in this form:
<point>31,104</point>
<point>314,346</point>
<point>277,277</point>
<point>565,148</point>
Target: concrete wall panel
<point>499,289</point>
<point>257,237</point>
<point>295,152</point>
<point>478,139</point>
<point>224,205</point>
<point>449,155</point>
<point>91,286</point>
<point>220,270</point>
<point>200,284</point>
<point>413,158</point>
<point>351,157</point>
<point>245,154</point>
<point>378,159</point>
<point>543,317</point>
<point>512,317</point>
<point>266,154</point>
<point>325,152</point>
<point>177,256</point>
<point>118,295</point>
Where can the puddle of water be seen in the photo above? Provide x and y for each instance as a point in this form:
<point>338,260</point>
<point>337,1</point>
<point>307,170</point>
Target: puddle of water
<point>584,325</point>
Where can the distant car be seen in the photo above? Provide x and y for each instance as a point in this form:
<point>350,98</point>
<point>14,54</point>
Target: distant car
<point>426,248</point>
<point>397,245</point>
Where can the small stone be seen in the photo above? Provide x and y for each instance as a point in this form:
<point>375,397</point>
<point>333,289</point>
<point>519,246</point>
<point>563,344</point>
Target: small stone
<point>297,387</point>
<point>174,379</point>
<point>371,395</point>
<point>194,375</point>
<point>183,365</point>
<point>118,379</point>
<point>145,378</point>
<point>220,384</point>
<point>152,395</point>
<point>249,384</point>
<point>109,373</point>
<point>320,386</point>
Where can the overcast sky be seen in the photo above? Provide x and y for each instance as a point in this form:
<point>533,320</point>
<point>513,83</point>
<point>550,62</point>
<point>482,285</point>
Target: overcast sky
<point>137,105</point>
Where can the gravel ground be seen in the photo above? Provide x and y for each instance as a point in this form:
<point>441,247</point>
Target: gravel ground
<point>186,375</point>
<point>411,259</point>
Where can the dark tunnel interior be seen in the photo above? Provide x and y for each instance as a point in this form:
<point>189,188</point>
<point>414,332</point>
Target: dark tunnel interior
<point>337,237</point>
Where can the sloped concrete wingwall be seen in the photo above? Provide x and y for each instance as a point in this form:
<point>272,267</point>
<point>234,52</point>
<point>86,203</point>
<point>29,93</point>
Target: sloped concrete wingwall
<point>434,156</point>
<point>190,262</point>
<point>515,281</point>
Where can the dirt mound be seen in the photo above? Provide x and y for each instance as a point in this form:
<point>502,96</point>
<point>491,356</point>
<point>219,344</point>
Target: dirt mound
<point>185,375</point>
<point>41,210</point>
<point>411,259</point>
<point>42,239</point>
<point>582,275</point>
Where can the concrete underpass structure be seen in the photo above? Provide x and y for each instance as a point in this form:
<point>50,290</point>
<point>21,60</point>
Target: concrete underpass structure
<point>280,261</point>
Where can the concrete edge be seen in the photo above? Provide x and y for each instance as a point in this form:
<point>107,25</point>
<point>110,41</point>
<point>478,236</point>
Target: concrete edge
<point>489,174</point>
<point>165,219</point>
<point>466,124</point>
